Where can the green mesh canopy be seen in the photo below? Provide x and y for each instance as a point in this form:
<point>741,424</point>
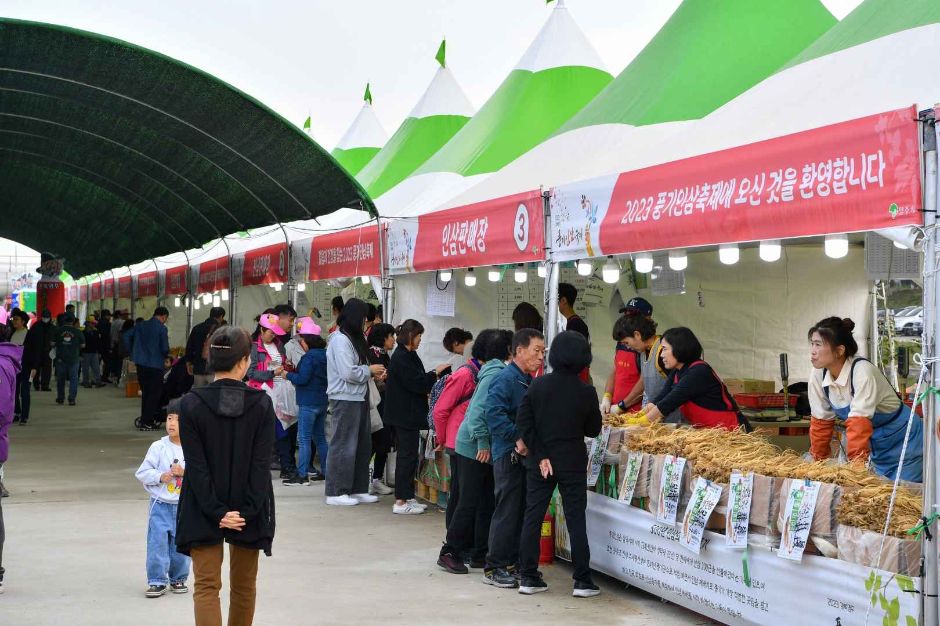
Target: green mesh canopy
<point>111,154</point>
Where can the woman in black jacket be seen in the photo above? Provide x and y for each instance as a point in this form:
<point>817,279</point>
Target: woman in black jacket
<point>227,432</point>
<point>406,408</point>
<point>557,413</point>
<point>381,339</point>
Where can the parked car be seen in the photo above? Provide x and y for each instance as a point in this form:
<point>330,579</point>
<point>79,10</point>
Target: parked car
<point>912,329</point>
<point>910,314</point>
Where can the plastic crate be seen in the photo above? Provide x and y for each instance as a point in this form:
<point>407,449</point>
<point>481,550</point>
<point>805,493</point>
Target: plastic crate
<point>763,400</point>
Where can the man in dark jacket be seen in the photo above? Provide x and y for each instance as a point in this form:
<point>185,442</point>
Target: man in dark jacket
<point>45,331</point>
<point>197,339</point>
<point>149,345</point>
<point>557,413</point>
<point>508,450</point>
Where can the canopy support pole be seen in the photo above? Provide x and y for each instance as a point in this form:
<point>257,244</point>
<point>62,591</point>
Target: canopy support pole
<point>291,285</point>
<point>552,271</point>
<point>188,296</point>
<point>385,298</point>
<point>114,295</point>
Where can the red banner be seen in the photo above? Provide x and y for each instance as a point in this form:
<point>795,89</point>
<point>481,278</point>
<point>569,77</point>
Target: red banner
<point>108,288</point>
<point>213,275</point>
<point>265,265</point>
<point>345,254</point>
<point>147,285</point>
<point>854,176</point>
<point>73,295</point>
<point>175,281</point>
<point>124,287</point>
<point>96,291</point>
<point>83,293</point>
<point>504,230</point>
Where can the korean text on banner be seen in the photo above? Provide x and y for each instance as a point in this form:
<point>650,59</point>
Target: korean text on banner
<point>213,275</point>
<point>858,175</point>
<point>108,288</point>
<point>124,287</point>
<point>175,281</point>
<point>147,285</point>
<point>346,254</point>
<point>265,265</point>
<point>96,290</point>
<point>83,293</point>
<point>504,230</point>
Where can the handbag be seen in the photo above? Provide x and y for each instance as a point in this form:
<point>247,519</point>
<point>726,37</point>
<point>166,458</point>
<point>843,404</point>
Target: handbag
<point>374,398</point>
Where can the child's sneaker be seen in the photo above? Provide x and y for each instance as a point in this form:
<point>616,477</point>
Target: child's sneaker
<point>179,587</point>
<point>155,591</point>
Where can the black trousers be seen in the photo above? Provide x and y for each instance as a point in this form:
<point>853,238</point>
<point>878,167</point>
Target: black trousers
<point>44,376</point>
<point>105,364</point>
<point>381,446</point>
<point>286,448</point>
<point>469,528</point>
<point>151,391</point>
<point>574,497</point>
<point>453,495</point>
<point>406,463</point>
<point>509,483</point>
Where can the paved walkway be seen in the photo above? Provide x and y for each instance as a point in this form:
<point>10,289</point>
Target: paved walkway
<point>76,528</point>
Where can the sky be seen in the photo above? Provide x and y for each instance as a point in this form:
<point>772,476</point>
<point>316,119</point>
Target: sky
<point>314,57</point>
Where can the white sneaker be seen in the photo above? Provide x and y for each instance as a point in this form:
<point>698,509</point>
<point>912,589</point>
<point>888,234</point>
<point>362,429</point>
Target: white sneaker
<point>417,504</point>
<point>343,500</point>
<point>364,498</point>
<point>378,488</point>
<point>407,509</point>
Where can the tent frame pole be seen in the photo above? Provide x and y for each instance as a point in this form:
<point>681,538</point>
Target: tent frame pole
<point>552,270</point>
<point>385,298</point>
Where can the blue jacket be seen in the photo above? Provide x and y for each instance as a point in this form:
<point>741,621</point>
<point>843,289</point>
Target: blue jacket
<point>502,402</point>
<point>310,379</point>
<point>148,344</point>
<point>473,435</point>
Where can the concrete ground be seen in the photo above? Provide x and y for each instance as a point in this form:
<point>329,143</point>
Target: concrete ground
<point>76,527</point>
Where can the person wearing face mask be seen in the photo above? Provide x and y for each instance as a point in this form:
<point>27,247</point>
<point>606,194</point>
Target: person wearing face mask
<point>853,389</point>
<point>45,332</point>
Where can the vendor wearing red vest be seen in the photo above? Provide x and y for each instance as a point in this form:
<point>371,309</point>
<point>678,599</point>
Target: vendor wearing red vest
<point>622,384</point>
<point>692,386</point>
<point>567,296</point>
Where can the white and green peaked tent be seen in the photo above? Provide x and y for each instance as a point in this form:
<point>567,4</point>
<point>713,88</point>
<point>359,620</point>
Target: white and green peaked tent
<point>706,54</point>
<point>558,74</point>
<point>440,113</point>
<point>363,140</point>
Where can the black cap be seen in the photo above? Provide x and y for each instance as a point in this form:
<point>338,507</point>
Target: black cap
<point>638,306</point>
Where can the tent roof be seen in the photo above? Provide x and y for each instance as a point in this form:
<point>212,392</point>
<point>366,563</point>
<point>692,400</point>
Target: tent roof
<point>111,153</point>
<point>362,140</point>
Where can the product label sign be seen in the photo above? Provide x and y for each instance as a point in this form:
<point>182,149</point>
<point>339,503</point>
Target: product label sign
<point>797,519</point>
<point>704,499</point>
<point>740,492</point>
<point>631,473</point>
<point>596,456</point>
<point>670,489</point>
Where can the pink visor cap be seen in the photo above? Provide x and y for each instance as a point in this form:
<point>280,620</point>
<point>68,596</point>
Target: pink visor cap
<point>270,321</point>
<point>306,326</point>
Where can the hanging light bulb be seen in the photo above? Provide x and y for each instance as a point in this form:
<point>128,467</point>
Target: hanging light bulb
<point>301,287</point>
<point>836,246</point>
<point>520,274</point>
<point>643,263</point>
<point>493,275</point>
<point>217,301</point>
<point>196,304</point>
<point>277,286</point>
<point>584,267</point>
<point>611,271</point>
<point>470,279</point>
<point>900,246</point>
<point>225,295</point>
<point>176,302</point>
<point>729,253</point>
<point>364,279</point>
<point>446,275</point>
<point>678,260</point>
<point>541,271</point>
<point>207,298</point>
<point>770,250</point>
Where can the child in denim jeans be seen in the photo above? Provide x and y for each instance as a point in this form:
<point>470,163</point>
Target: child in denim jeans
<point>310,382</point>
<point>161,473</point>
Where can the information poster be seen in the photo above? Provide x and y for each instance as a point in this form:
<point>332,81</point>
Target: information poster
<point>670,488</point>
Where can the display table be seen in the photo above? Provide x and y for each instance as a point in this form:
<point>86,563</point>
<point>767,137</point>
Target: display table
<point>628,544</point>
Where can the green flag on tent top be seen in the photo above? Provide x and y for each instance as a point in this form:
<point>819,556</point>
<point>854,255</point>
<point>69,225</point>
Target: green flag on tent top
<point>367,96</point>
<point>440,53</point>
<point>307,123</point>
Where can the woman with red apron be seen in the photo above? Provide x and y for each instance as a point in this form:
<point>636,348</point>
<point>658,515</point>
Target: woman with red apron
<point>693,387</point>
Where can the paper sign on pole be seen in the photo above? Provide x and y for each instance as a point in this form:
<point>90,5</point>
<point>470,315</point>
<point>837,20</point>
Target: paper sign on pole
<point>670,489</point>
<point>740,492</point>
<point>630,474</point>
<point>705,496</point>
<point>798,517</point>
<point>596,456</point>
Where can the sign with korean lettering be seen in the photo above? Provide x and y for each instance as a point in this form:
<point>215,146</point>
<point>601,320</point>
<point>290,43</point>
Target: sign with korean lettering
<point>175,281</point>
<point>147,285</point>
<point>73,293</point>
<point>213,275</point>
<point>96,291</point>
<point>631,472</point>
<point>705,496</point>
<point>124,287</point>
<point>854,176</point>
<point>797,518</point>
<point>346,254</point>
<point>265,265</point>
<point>596,455</point>
<point>740,492</point>
<point>670,489</point>
<point>504,230</point>
<point>108,288</point>
<point>401,236</point>
<point>628,544</point>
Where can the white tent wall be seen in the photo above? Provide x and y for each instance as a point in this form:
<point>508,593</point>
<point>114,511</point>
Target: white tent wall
<point>252,301</point>
<point>176,323</point>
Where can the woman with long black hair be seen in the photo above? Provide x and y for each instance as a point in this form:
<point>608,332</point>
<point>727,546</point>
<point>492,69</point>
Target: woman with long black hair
<point>348,372</point>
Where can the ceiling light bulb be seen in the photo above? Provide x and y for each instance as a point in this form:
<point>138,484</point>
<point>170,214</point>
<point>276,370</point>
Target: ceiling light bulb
<point>770,250</point>
<point>206,298</point>
<point>643,263</point>
<point>585,268</point>
<point>196,304</point>
<point>276,286</point>
<point>900,246</point>
<point>520,274</point>
<point>493,275</point>
<point>301,287</point>
<point>446,275</point>
<point>217,301</point>
<point>678,260</point>
<point>176,302</point>
<point>542,272</point>
<point>365,280</point>
<point>470,279</point>
<point>729,253</point>
<point>836,246</point>
<point>225,295</point>
<point>611,271</point>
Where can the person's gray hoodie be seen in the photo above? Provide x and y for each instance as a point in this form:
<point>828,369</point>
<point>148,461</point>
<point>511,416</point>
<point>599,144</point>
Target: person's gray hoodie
<point>347,378</point>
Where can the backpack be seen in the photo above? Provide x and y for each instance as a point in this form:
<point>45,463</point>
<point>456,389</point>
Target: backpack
<point>438,389</point>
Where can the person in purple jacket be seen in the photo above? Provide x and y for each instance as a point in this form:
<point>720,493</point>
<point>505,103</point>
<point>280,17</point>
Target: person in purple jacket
<point>11,356</point>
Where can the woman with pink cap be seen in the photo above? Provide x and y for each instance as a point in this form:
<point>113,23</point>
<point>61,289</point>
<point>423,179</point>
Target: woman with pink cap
<point>266,364</point>
<point>310,382</point>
